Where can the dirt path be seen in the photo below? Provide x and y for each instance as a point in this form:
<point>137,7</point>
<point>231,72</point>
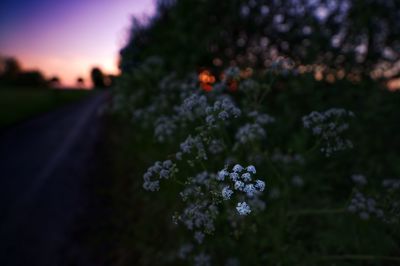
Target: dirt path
<point>42,167</point>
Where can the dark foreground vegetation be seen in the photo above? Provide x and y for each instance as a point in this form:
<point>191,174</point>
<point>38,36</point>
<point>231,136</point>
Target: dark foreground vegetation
<point>254,133</point>
<point>134,227</point>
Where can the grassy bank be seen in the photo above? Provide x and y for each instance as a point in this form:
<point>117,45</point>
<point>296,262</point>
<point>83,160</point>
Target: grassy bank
<point>19,104</point>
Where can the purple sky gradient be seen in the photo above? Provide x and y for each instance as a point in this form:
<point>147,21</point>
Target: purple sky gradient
<point>67,38</point>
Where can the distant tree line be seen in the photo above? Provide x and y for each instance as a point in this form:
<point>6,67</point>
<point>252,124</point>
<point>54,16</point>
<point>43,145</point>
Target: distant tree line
<point>12,74</point>
<point>101,80</point>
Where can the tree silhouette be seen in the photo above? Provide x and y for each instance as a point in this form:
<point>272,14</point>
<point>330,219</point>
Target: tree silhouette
<point>10,69</point>
<point>80,82</point>
<point>54,81</point>
<point>31,79</point>
<point>111,80</point>
<point>13,75</point>
<point>98,78</point>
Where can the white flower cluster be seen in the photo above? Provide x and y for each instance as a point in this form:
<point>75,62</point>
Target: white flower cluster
<point>249,133</point>
<point>192,144</point>
<point>164,127</point>
<point>160,170</point>
<point>216,146</point>
<point>387,200</point>
<point>192,107</point>
<point>243,208</point>
<point>327,126</point>
<point>241,180</point>
<point>195,108</point>
<point>160,100</point>
<point>193,186</point>
<point>391,184</point>
<point>199,216</point>
<point>201,211</point>
<point>222,110</point>
<point>365,207</point>
<point>205,192</point>
<point>261,118</point>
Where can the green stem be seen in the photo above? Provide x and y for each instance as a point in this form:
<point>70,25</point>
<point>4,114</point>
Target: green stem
<point>178,182</point>
<point>316,145</point>
<point>267,90</point>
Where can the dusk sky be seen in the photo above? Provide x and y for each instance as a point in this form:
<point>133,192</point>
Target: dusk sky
<point>67,38</point>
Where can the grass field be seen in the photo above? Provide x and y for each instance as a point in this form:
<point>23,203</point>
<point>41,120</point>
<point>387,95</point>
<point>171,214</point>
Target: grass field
<point>19,104</point>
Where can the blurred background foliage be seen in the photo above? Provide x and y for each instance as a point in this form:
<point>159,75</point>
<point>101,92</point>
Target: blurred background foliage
<point>358,37</point>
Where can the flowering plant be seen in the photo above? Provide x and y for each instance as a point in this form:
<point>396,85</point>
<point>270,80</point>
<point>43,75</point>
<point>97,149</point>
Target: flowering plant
<point>233,170</point>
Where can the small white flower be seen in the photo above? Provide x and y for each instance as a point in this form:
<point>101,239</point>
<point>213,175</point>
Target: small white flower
<point>234,176</point>
<point>329,126</point>
<point>246,177</point>
<point>226,193</point>
<point>243,208</point>
<point>250,190</point>
<point>239,185</point>
<point>164,174</point>
<point>260,185</point>
<point>167,164</point>
<point>147,176</point>
<point>221,175</point>
<point>210,119</point>
<point>199,237</point>
<point>151,185</point>
<point>251,169</point>
<point>250,132</point>
<point>223,115</point>
<point>237,168</point>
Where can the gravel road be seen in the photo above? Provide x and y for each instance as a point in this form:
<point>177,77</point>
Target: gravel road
<point>42,167</point>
